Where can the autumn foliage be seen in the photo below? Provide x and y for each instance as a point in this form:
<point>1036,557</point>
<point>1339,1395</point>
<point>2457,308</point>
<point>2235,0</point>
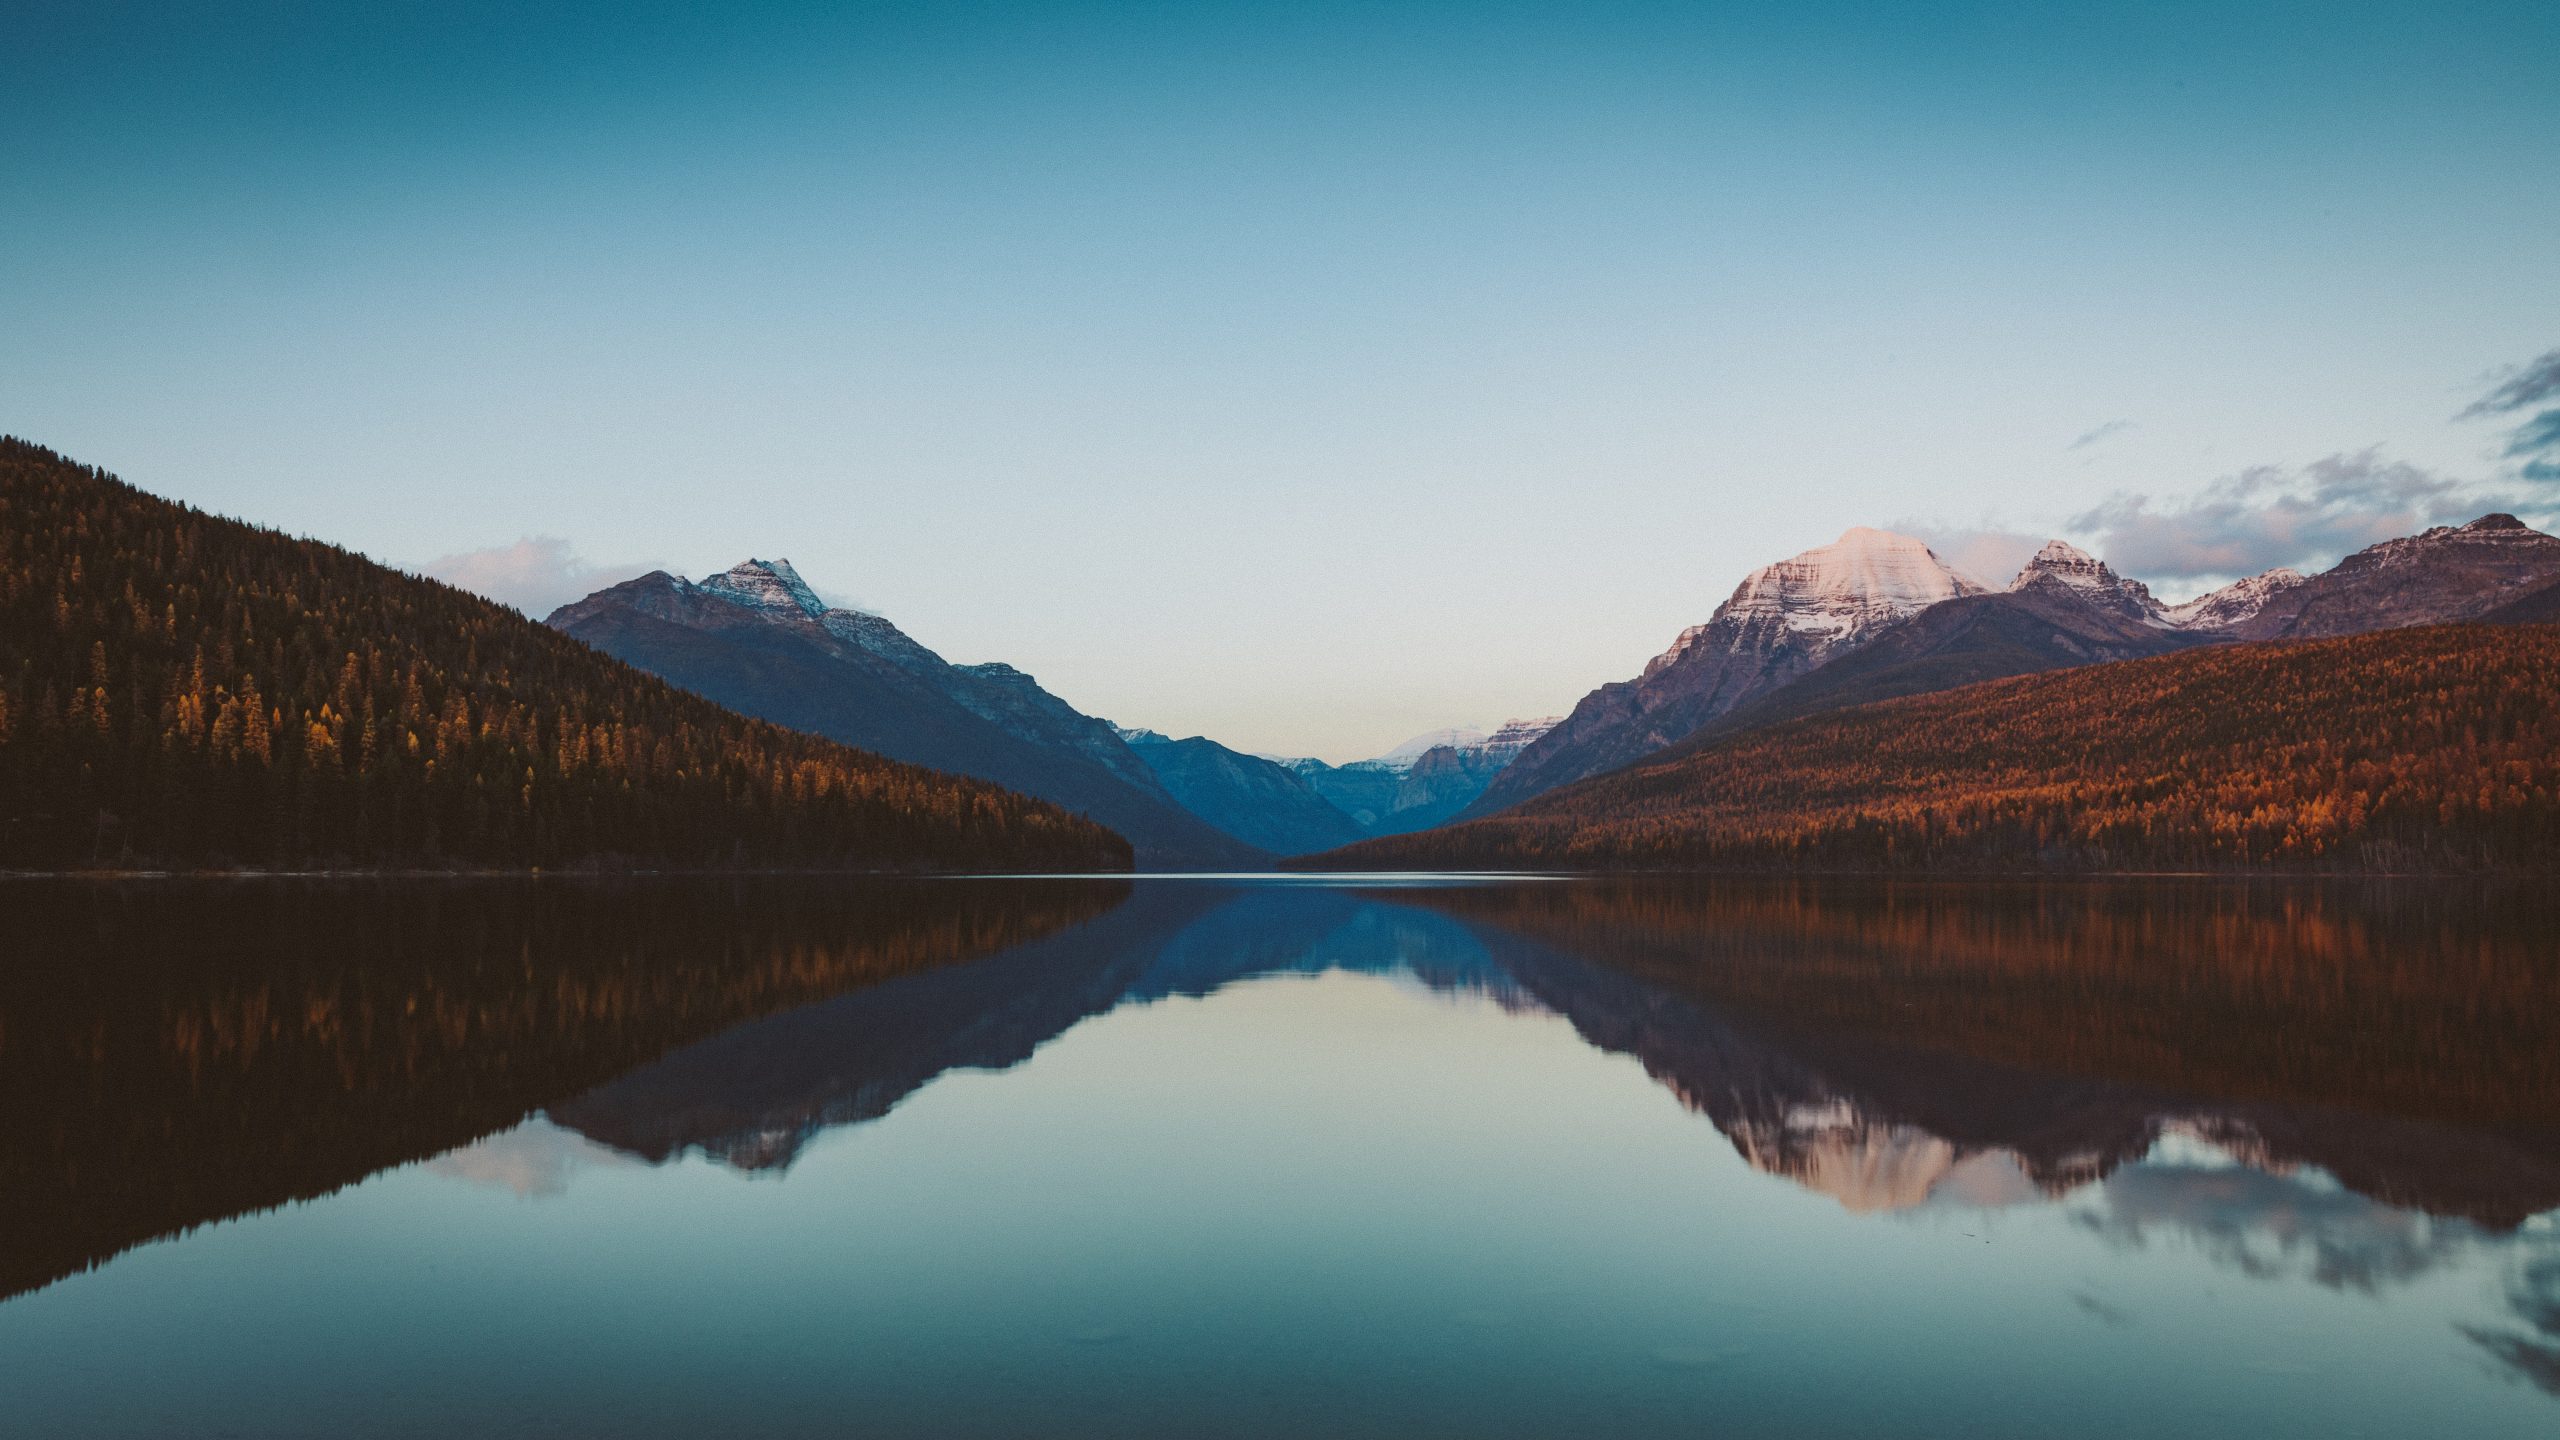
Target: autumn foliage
<point>180,689</point>
<point>2412,750</point>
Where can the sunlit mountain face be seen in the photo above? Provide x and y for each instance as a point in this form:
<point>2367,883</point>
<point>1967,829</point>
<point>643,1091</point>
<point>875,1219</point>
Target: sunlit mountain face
<point>2320,1093</point>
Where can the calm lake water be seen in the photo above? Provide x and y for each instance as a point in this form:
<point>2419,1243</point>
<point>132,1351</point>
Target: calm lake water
<point>1280,1157</point>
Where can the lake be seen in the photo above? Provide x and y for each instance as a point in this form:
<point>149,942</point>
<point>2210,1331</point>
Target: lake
<point>1391,1156</point>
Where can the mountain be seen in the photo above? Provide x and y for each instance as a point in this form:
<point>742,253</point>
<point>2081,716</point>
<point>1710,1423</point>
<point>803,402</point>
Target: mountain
<point>1258,801</point>
<point>1405,756</point>
<point>2420,749</point>
<point>1365,790</point>
<point>756,638</point>
<point>1852,623</point>
<point>1446,779</point>
<point>182,690</point>
<point>2447,573</point>
<point>1781,622</point>
<point>2065,608</point>
<point>2233,603</point>
<point>1425,780</point>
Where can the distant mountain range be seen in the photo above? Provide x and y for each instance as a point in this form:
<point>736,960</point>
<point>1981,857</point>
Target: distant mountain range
<point>757,639</point>
<point>1874,616</point>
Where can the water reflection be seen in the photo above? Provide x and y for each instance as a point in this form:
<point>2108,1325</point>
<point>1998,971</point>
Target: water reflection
<point>2352,1089</point>
<point>1836,1039</point>
<point>173,1054</point>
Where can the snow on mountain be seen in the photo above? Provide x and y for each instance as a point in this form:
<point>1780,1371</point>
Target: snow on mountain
<point>2071,570</point>
<point>1826,596</point>
<point>1402,757</point>
<point>771,586</point>
<point>1513,736</point>
<point>2233,603</point>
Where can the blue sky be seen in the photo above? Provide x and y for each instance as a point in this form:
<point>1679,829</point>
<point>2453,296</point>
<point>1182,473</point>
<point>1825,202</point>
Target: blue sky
<point>1303,375</point>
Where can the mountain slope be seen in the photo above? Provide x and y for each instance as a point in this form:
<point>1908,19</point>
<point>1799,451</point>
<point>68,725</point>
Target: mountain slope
<point>180,689</point>
<point>2444,574</point>
<point>2428,748</point>
<point>756,639</point>
<point>1783,621</point>
<point>2038,624</point>
<point>1365,790</point>
<point>1258,801</point>
<point>2538,607</point>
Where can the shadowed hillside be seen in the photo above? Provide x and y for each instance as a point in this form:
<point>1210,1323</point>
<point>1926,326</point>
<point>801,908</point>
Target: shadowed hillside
<point>180,689</point>
<point>2424,749</point>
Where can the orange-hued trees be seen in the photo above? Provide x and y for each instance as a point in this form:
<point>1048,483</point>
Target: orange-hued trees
<point>2423,749</point>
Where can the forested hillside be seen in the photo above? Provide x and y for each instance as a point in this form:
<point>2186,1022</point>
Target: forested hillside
<point>180,689</point>
<point>2425,749</point>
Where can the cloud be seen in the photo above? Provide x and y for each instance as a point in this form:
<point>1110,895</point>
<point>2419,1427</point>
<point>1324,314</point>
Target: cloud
<point>2112,427</point>
<point>2536,435</point>
<point>2534,1354</point>
<point>537,574</point>
<point>2538,381</point>
<point>2535,441</point>
<point>2270,515</point>
<point>1986,552</point>
<point>2276,1226</point>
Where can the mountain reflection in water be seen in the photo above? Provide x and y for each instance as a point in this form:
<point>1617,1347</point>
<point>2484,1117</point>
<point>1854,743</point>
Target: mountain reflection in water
<point>1883,1048</point>
<point>2351,1087</point>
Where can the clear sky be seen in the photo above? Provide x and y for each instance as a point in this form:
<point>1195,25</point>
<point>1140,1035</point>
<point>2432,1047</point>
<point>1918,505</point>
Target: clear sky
<point>1300,374</point>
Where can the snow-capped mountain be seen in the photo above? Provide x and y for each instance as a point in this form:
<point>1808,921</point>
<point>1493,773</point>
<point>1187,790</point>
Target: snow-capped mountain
<point>1824,599</point>
<point>1877,616</point>
<point>2221,609</point>
<point>1514,736</point>
<point>769,587</point>
<point>1401,758</point>
<point>2067,569</point>
<point>1782,621</point>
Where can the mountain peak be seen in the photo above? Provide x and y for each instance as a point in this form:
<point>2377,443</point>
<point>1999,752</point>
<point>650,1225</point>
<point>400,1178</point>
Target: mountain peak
<point>1403,756</point>
<point>2064,566</point>
<point>2496,520</point>
<point>768,585</point>
<point>2233,603</point>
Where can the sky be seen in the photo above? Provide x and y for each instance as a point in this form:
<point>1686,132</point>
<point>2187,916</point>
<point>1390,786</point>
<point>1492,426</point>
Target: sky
<point>1303,375</point>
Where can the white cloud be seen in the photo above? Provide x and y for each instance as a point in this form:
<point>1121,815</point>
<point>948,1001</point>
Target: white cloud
<point>2304,516</point>
<point>537,574</point>
<point>1987,552</point>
